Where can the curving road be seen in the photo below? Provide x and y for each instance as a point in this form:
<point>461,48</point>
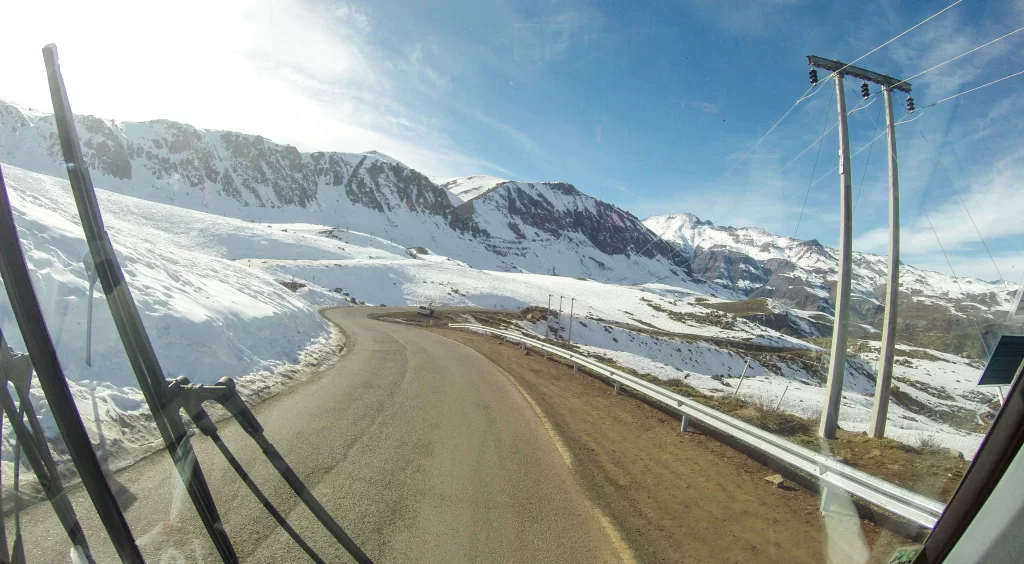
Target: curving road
<point>420,447</point>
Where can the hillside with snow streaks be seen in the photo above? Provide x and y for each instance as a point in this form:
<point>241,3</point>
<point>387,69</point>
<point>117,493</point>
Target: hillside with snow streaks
<point>802,274</point>
<point>464,189</point>
<point>208,316</point>
<point>210,292</point>
<point>249,177</point>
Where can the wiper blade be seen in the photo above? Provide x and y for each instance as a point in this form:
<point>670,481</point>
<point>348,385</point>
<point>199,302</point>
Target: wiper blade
<point>136,341</point>
<point>166,398</point>
<point>32,324</point>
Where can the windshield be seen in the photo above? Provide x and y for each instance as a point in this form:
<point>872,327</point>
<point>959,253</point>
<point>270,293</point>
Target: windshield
<point>515,281</point>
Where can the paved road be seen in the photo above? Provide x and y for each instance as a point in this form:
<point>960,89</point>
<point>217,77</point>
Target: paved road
<point>422,449</point>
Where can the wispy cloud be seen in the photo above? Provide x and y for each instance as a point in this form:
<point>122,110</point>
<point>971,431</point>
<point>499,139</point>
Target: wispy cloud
<point>305,73</point>
<point>994,200</point>
<point>743,17</point>
<point>706,107</point>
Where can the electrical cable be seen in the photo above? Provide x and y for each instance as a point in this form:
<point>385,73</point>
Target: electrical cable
<point>864,175</point>
<point>922,22</point>
<point>828,112</point>
<point>938,159</point>
<point>908,80</point>
<point>958,56</point>
<point>955,278</point>
<point>974,89</point>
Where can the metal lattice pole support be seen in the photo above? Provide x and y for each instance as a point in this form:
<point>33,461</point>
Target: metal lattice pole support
<point>876,428</point>
<point>837,361</point>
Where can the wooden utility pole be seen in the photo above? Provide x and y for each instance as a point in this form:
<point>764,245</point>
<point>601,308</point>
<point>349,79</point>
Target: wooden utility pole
<point>837,364</point>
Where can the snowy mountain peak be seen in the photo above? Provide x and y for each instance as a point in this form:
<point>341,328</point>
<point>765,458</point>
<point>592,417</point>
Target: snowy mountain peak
<point>802,273</point>
<point>386,158</point>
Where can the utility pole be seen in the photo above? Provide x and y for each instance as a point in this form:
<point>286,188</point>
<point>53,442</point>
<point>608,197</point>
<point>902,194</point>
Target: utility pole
<point>876,427</point>
<point>837,362</point>
<point>547,320</point>
<point>572,305</point>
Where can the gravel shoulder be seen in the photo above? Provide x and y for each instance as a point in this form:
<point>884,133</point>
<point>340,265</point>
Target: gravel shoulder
<point>677,496</point>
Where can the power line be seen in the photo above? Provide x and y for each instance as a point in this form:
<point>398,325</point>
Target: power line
<point>828,112</point>
<point>920,113</point>
<point>807,94</point>
<point>864,175</point>
<point>960,55</point>
<point>956,279</point>
<point>820,178</point>
<point>858,108</point>
<point>922,22</point>
<point>975,88</point>
<point>812,91</point>
<point>952,185</point>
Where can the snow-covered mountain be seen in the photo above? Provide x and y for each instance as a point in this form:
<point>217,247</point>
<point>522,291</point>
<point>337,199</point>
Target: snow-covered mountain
<point>540,227</point>
<point>490,223</point>
<point>525,218</point>
<point>802,275</point>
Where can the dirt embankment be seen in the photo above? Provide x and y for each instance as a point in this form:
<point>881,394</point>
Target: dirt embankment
<point>676,497</point>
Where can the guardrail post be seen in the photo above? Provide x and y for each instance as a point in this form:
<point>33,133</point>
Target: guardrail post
<point>826,499</point>
<point>686,423</point>
<point>617,387</point>
<point>574,367</point>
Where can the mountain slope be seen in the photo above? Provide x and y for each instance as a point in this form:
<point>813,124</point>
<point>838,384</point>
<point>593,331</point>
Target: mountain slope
<point>554,227</point>
<point>937,311</point>
<point>464,189</point>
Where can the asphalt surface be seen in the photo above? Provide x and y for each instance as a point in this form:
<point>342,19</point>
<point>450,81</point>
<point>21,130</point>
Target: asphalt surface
<point>421,448</point>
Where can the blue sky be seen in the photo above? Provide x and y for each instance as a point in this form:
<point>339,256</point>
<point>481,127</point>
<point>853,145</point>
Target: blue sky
<point>647,105</point>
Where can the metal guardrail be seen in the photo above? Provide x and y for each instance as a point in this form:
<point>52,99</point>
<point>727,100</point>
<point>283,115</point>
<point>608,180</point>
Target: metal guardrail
<point>829,471</point>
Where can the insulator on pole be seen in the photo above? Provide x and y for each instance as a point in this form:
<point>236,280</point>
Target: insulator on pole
<point>865,90</point>
<point>814,76</point>
<point>910,104</point>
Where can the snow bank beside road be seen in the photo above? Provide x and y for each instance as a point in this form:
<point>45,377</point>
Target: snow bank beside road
<point>207,316</point>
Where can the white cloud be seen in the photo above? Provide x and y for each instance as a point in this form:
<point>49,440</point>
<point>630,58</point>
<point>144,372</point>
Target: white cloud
<point>743,17</point>
<point>706,107</point>
<point>996,203</point>
<point>297,72</point>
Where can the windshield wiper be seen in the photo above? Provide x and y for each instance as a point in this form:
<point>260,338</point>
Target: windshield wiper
<point>166,398</point>
<point>29,316</point>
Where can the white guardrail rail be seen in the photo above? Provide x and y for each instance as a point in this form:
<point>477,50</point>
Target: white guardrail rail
<point>830,472</point>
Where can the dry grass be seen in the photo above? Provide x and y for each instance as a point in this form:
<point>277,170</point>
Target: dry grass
<point>925,467</point>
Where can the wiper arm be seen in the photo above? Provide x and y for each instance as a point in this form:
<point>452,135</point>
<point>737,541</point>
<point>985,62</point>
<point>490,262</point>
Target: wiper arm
<point>191,397</point>
<point>133,334</point>
<point>17,370</point>
<point>166,398</point>
<point>17,281</point>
